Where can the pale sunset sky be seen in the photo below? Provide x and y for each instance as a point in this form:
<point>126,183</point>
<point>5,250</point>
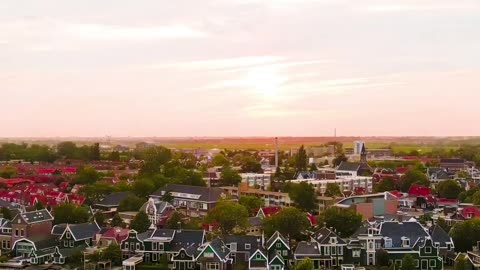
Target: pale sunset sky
<point>239,67</point>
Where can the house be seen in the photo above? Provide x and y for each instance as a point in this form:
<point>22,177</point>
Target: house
<point>110,236</point>
<point>37,223</point>
<point>75,235</point>
<point>472,258</point>
<point>371,205</point>
<point>191,201</point>
<point>110,203</point>
<point>278,250</point>
<point>453,164</point>
<point>35,249</point>
<point>158,211</point>
<point>264,212</point>
<point>214,255</point>
<point>354,168</point>
<point>325,249</point>
<point>242,247</point>
<point>5,234</point>
<point>271,198</point>
<point>445,244</point>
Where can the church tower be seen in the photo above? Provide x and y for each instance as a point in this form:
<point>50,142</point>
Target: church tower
<point>363,155</point>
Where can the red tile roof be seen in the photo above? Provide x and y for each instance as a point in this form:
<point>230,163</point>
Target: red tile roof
<point>419,191</point>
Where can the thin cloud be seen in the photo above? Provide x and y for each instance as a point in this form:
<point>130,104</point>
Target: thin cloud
<point>109,32</point>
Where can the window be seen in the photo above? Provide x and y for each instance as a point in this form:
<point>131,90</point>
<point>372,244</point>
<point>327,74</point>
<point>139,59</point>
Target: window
<point>71,243</point>
<point>154,257</point>
<point>16,232</point>
<point>398,262</point>
<point>67,235</point>
<point>190,265</point>
<point>279,245</point>
<point>160,246</point>
<point>22,232</point>
<point>285,253</point>
<point>154,246</point>
<point>275,267</point>
<point>388,242</point>
<point>433,263</point>
<point>356,253</point>
<point>137,246</point>
<point>213,266</point>
<point>340,250</point>
<point>449,246</point>
<point>233,246</point>
<point>417,263</point>
<point>334,262</point>
<point>247,246</point>
<point>65,243</point>
<point>334,250</point>
<point>258,256</point>
<point>428,250</point>
<point>327,250</point>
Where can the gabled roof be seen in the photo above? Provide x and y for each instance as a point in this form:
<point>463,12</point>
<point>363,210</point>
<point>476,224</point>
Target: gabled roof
<point>324,235</point>
<point>36,216</point>
<point>349,166</point>
<point>218,247</point>
<point>186,239</point>
<point>277,236</point>
<point>396,230</point>
<point>205,194</point>
<point>163,234</point>
<point>269,210</point>
<point>113,199</point>
<point>254,242</point>
<point>79,231</point>
<point>439,235</point>
<point>307,249</point>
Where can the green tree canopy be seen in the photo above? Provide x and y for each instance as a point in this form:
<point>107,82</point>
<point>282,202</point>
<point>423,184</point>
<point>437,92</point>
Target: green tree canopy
<point>229,215</point>
<point>99,217</point>
<point>220,160</point>
<point>143,187</point>
<point>131,203</point>
<point>476,198</point>
<point>230,177</point>
<point>113,253</point>
<point>252,203</point>
<point>290,222</point>
<point>386,184</point>
<point>339,159</point>
<point>345,220</point>
<point>70,213</point>
<point>333,190</point>
<point>383,259</point>
<point>304,196</point>
<point>305,264</point>
<point>87,175</point>
<point>8,172</point>
<point>408,262</point>
<point>301,159</point>
<point>140,222</point>
<point>153,160</point>
<point>6,213</point>
<point>414,177</point>
<point>96,191</point>
<point>466,234</point>
<point>175,222</point>
<point>251,164</point>
<point>449,189</point>
<point>117,221</point>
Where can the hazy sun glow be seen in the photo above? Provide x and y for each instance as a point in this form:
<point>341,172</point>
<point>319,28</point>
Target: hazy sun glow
<point>265,81</point>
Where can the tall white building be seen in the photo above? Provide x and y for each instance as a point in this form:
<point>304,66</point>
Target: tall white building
<point>357,147</point>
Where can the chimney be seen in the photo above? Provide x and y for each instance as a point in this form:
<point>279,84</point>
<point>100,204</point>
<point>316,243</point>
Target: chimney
<point>276,152</point>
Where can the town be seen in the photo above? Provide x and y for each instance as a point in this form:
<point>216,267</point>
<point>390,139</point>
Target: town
<point>95,206</point>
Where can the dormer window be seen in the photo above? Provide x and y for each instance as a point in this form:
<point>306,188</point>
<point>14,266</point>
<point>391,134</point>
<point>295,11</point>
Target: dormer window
<point>388,242</point>
<point>333,240</point>
<point>67,235</point>
<point>405,242</point>
<point>247,246</point>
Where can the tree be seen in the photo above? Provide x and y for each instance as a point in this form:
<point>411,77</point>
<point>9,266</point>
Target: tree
<point>250,164</point>
<point>305,264</point>
<point>117,221</point>
<point>466,234</point>
<point>8,172</point>
<point>153,160</point>
<point>229,177</point>
<point>112,253</point>
<point>6,213</point>
<point>383,259</point>
<point>131,203</point>
<point>39,205</point>
<point>96,191</point>
<point>140,222</point>
<point>70,213</point>
<point>301,159</point>
<point>449,189</point>
<point>313,167</point>
<point>386,184</point>
<point>252,203</point>
<point>460,263</point>
<point>175,222</point>
<point>191,178</point>
<point>67,149</point>
<point>99,217</point>
<point>290,222</point>
<point>339,159</point>
<point>414,177</point>
<point>443,224</point>
<point>95,152</point>
<point>114,156</point>
<point>476,198</point>
<point>168,198</point>
<point>408,262</point>
<point>228,215</point>
<point>304,196</point>
<point>87,175</point>
<point>143,187</point>
<point>345,220</point>
<point>220,160</point>
<point>333,190</point>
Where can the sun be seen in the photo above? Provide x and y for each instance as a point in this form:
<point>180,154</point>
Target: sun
<point>265,81</point>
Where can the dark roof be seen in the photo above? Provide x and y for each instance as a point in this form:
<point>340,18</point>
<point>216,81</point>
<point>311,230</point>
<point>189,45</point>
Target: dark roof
<point>37,216</point>
<point>79,231</point>
<point>59,229</point>
<point>113,199</point>
<point>6,204</point>
<point>307,248</point>
<point>186,239</point>
<point>67,252</point>
<point>144,235</point>
<point>255,221</point>
<point>220,248</point>
<point>274,238</point>
<point>255,242</point>
<point>324,235</point>
<point>163,233</point>
<point>452,160</point>
<point>439,235</point>
<point>349,166</point>
<point>204,193</point>
<point>396,230</point>
<point>42,242</point>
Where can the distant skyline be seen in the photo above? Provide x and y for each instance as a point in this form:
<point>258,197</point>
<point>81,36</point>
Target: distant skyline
<point>237,68</point>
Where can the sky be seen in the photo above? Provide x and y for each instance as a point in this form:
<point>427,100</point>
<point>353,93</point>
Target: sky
<point>239,68</point>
